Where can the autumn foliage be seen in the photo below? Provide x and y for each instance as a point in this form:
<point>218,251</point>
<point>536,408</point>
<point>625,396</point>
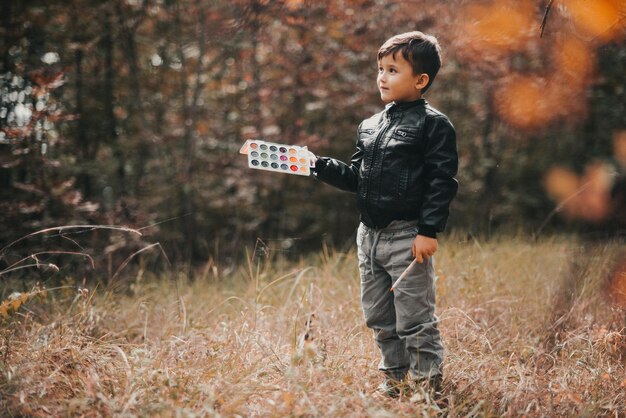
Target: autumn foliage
<point>134,111</point>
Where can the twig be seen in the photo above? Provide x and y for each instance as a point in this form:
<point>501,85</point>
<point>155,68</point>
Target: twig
<point>62,228</point>
<point>34,256</point>
<point>25,266</point>
<point>404,273</point>
<point>119,269</point>
<point>164,221</point>
<point>300,273</point>
<point>544,21</point>
<point>560,207</point>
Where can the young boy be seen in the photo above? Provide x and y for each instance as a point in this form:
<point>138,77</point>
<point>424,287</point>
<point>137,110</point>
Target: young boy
<point>403,174</point>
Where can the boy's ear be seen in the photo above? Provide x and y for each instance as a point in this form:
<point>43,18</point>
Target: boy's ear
<point>422,81</point>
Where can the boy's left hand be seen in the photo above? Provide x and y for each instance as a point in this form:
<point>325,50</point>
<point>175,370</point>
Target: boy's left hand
<point>424,247</point>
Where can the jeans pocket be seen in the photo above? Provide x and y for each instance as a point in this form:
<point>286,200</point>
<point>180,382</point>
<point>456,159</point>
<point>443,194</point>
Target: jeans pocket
<point>360,234</point>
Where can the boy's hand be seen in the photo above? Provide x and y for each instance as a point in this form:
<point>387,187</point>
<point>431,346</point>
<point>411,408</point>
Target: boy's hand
<point>424,247</point>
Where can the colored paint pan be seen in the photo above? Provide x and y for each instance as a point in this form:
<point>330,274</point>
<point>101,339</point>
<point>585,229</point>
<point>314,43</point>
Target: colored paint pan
<point>291,159</point>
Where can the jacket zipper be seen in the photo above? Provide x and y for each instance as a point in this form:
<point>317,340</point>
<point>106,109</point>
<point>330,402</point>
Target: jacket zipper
<point>381,134</point>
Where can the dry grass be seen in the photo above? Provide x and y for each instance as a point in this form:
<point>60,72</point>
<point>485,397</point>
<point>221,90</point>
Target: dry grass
<point>528,327</point>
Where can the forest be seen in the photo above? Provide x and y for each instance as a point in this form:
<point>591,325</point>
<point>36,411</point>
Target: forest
<point>132,113</point>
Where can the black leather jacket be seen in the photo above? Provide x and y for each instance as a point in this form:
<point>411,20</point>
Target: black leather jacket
<point>403,167</point>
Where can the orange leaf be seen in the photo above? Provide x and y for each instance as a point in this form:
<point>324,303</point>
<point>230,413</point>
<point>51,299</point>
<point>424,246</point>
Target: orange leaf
<point>501,25</point>
<point>561,183</point>
<point>598,18</point>
<point>15,304</point>
<point>574,60</point>
<point>4,310</point>
<point>521,100</point>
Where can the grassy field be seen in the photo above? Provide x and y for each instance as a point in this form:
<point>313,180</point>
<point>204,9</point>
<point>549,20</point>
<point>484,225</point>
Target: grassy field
<point>530,328</point>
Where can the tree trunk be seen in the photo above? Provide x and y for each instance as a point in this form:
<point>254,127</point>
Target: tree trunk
<point>188,209</point>
<point>110,125</point>
<point>8,30</point>
<point>84,179</point>
<point>136,107</point>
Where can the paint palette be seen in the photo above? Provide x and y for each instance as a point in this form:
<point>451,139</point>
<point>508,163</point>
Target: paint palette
<point>289,159</point>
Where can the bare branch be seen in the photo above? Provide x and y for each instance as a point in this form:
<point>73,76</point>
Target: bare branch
<point>61,229</point>
<point>544,21</point>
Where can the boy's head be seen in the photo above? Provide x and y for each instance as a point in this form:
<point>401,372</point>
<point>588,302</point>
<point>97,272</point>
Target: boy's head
<point>421,51</point>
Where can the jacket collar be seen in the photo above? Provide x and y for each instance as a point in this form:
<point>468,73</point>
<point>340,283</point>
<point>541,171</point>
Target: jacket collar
<point>394,107</point>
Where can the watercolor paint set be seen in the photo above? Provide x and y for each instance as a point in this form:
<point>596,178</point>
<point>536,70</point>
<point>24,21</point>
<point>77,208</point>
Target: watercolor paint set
<point>289,159</point>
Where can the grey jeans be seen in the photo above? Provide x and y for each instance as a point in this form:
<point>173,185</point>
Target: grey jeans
<point>404,321</point>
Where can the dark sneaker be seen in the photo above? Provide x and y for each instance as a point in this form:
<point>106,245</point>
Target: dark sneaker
<point>435,383</point>
<point>431,389</point>
<point>392,388</point>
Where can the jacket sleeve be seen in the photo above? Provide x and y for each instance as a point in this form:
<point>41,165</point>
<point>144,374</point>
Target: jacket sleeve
<point>339,174</point>
<point>440,166</point>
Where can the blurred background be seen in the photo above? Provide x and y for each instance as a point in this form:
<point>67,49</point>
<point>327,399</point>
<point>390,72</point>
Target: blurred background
<point>132,113</point>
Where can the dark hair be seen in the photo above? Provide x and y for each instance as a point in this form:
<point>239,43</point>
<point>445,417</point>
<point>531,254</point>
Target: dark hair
<point>420,50</point>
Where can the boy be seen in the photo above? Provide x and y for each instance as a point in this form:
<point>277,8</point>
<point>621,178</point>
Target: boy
<point>403,174</point>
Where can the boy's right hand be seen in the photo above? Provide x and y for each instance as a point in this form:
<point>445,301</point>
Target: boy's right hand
<point>424,247</point>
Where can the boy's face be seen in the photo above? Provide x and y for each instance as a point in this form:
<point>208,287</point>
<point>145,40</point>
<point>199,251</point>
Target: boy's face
<point>396,81</point>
